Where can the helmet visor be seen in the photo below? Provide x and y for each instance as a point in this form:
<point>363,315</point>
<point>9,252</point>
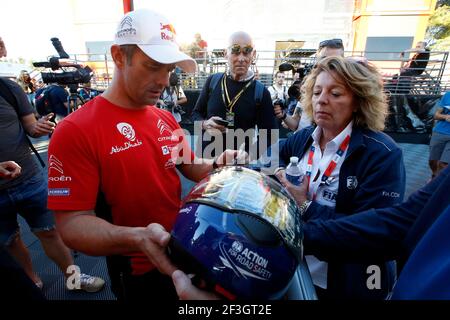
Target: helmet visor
<point>237,189</point>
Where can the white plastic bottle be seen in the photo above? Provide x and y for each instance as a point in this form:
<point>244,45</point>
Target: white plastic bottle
<point>293,172</point>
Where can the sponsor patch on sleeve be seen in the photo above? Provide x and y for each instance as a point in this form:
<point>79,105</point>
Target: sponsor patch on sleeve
<point>59,192</point>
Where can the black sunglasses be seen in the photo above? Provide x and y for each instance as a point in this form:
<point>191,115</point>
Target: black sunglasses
<point>237,49</point>
<point>332,43</point>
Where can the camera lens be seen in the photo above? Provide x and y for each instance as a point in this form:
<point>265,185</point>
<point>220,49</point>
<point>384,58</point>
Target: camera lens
<point>278,102</point>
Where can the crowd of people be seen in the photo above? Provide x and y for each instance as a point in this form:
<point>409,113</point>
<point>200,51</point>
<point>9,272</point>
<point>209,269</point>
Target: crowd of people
<point>26,193</point>
<point>113,187</point>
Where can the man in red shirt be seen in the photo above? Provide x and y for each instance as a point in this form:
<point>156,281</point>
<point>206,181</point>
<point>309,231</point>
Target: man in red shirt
<point>121,146</point>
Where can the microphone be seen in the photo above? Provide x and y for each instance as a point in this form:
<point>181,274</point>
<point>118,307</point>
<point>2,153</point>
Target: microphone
<point>43,64</point>
<point>52,63</point>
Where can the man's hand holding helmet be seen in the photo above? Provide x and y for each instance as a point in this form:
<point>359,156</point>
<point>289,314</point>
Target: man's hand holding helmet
<point>231,157</point>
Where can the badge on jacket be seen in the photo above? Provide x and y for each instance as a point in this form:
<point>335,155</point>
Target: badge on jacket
<point>352,182</point>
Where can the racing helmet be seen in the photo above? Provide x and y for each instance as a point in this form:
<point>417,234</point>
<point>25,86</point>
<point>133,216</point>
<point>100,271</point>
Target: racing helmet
<point>240,232</point>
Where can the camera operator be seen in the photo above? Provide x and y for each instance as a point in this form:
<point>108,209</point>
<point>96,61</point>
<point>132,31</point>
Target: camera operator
<point>172,96</point>
<point>295,120</point>
<point>87,93</point>
<point>55,100</point>
<point>327,48</point>
<point>27,194</point>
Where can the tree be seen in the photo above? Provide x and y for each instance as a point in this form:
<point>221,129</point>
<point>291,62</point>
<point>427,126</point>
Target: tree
<point>438,31</point>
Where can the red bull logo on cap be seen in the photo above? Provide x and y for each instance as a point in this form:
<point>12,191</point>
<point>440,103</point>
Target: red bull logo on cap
<point>167,28</point>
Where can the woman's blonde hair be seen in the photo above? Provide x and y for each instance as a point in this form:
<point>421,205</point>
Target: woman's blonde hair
<point>362,79</point>
<point>22,82</point>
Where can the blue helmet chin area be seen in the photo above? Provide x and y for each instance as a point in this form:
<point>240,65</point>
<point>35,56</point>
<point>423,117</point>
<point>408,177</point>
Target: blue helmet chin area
<point>237,252</point>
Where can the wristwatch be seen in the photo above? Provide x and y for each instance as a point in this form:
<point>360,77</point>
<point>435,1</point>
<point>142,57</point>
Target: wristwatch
<point>304,206</point>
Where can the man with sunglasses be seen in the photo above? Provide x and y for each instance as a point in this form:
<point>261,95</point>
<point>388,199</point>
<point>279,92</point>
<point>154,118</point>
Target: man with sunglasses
<point>297,121</point>
<point>233,96</point>
<point>327,48</point>
<point>331,47</point>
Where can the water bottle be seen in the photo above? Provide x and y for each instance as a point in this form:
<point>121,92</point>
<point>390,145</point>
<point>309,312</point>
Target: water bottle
<point>293,172</point>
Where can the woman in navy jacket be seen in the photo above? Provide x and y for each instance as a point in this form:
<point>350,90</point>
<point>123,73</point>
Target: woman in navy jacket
<point>349,165</point>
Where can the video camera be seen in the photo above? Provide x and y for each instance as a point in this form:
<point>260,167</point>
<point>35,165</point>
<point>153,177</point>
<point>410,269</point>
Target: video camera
<point>169,105</point>
<point>80,75</point>
<point>279,102</point>
<point>303,71</point>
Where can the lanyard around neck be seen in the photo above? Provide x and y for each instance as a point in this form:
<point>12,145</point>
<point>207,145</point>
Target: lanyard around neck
<point>229,104</point>
<point>333,163</point>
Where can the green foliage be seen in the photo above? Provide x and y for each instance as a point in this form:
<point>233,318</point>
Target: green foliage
<point>441,45</point>
<point>439,27</point>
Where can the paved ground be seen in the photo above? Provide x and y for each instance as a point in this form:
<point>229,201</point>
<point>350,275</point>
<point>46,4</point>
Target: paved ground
<point>417,173</point>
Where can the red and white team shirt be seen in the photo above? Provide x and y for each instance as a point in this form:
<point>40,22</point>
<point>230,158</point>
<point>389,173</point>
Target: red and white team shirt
<point>125,153</point>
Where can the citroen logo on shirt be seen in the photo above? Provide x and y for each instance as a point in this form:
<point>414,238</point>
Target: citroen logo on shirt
<point>163,126</point>
<point>55,164</point>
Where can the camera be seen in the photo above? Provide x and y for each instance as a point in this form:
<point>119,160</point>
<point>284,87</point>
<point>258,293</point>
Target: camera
<point>279,102</point>
<point>179,109</point>
<point>77,75</point>
<point>169,104</point>
<point>303,70</point>
<point>81,75</point>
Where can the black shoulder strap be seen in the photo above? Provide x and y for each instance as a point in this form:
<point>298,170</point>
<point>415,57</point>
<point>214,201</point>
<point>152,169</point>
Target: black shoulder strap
<point>215,81</point>
<point>259,90</point>
<point>9,96</point>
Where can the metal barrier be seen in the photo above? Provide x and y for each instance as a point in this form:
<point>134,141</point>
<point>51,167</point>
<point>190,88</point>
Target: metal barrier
<point>434,79</point>
<point>431,79</point>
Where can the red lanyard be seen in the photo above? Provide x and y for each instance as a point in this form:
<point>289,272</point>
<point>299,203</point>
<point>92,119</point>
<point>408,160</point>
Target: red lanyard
<point>333,163</point>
